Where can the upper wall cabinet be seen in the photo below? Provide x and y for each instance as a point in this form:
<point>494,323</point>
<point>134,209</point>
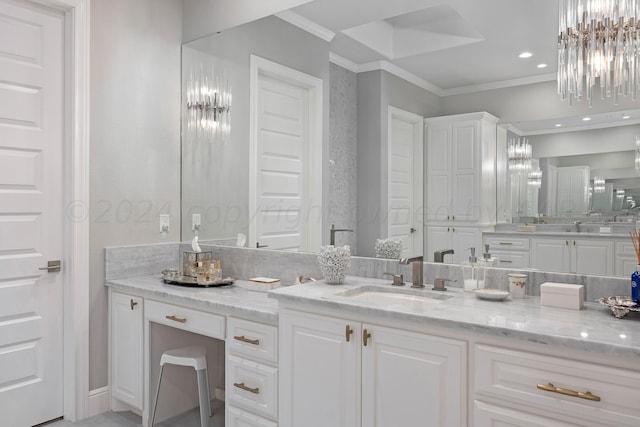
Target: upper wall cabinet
<point>461,173</point>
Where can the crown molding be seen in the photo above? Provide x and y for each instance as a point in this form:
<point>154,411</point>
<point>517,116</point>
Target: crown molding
<point>581,128</point>
<point>306,24</point>
<point>402,73</point>
<point>343,62</point>
<point>500,85</point>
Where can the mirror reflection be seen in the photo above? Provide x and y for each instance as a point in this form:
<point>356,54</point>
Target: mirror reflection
<point>311,145</point>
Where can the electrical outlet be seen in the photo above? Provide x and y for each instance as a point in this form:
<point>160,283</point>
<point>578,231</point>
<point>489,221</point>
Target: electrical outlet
<point>164,223</point>
<point>195,222</point>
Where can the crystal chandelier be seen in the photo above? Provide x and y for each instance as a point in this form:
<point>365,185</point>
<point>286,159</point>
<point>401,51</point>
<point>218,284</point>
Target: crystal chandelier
<point>519,155</point>
<point>598,184</point>
<point>598,39</point>
<point>208,105</point>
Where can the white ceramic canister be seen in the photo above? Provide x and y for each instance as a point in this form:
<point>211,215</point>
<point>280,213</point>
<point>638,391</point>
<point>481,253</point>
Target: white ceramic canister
<point>517,284</point>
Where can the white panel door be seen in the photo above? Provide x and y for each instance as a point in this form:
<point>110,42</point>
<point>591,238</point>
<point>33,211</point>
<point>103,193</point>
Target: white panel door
<point>31,143</point>
<point>405,175</point>
<point>592,257</point>
<point>438,238</point>
<point>551,255</point>
<point>282,164</point>
<point>411,379</point>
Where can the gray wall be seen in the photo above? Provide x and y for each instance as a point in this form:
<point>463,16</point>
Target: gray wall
<point>211,171</point>
<point>377,90</point>
<point>343,154</point>
<point>135,140</point>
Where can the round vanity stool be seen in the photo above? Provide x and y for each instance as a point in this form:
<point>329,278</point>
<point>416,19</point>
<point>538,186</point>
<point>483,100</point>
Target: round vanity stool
<point>196,357</point>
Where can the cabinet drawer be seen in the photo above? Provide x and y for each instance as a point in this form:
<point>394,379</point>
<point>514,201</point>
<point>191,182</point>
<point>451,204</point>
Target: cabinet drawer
<point>490,415</point>
<point>239,418</point>
<point>200,322</point>
<point>513,376</point>
<point>251,385</point>
<point>253,339</point>
<point>507,243</point>
<point>512,259</point>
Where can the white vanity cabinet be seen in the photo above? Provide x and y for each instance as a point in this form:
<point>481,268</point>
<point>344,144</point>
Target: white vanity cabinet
<point>345,373</point>
<point>461,176</point>
<point>626,259</point>
<point>453,237</point>
<point>251,378</point>
<point>126,348</point>
<point>511,252</point>
<point>581,256</point>
<point>514,387</point>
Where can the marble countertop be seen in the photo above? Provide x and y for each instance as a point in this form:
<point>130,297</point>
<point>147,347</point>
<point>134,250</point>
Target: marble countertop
<point>555,234</point>
<point>238,300</point>
<point>591,329</point>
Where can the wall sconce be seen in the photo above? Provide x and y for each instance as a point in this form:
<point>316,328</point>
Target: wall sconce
<point>620,194</point>
<point>208,106</point>
<point>534,178</point>
<point>598,184</point>
<point>519,154</point>
<point>637,153</point>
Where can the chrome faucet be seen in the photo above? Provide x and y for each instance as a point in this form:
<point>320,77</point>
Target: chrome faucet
<point>438,256</point>
<point>577,224</point>
<point>332,233</point>
<point>417,266</point>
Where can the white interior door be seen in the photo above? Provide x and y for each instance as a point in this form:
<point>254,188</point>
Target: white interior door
<point>31,137</point>
<point>284,153</point>
<point>405,176</point>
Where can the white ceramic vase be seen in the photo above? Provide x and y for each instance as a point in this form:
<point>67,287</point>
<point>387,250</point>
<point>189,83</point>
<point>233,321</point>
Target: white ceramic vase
<point>334,263</point>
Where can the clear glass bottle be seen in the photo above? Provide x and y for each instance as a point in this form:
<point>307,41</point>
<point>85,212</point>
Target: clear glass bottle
<point>487,261</point>
<point>470,271</point>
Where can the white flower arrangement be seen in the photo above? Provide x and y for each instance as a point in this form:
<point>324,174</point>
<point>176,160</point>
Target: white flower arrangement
<point>334,263</point>
<point>388,248</point>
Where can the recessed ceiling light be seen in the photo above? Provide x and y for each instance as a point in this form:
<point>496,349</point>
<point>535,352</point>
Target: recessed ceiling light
<point>525,55</point>
<point>558,125</point>
<point>541,65</point>
<point>586,119</point>
<point>626,116</point>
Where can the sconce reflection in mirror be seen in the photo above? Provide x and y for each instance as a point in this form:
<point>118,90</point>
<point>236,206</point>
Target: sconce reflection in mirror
<point>598,184</point>
<point>208,106</point>
<point>519,155</point>
<point>534,178</point>
<point>637,153</point>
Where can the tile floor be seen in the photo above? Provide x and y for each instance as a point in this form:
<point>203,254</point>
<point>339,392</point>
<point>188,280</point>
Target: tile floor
<point>128,419</point>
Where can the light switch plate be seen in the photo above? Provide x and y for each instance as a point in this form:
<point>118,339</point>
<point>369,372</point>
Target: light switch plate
<point>164,223</point>
<point>195,222</point>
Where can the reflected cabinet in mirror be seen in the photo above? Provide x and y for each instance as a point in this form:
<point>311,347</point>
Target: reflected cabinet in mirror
<point>284,140</point>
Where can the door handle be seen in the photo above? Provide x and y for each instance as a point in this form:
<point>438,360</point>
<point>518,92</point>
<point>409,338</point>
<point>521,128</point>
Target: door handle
<point>258,245</point>
<point>365,337</point>
<point>132,303</point>
<point>412,230</point>
<point>52,266</point>
<point>347,333</point>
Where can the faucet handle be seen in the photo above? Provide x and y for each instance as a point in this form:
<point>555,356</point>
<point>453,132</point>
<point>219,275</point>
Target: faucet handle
<point>398,279</point>
<point>438,284</point>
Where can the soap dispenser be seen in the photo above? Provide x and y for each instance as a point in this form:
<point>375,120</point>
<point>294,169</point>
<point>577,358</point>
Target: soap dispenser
<point>485,262</point>
<point>470,271</point>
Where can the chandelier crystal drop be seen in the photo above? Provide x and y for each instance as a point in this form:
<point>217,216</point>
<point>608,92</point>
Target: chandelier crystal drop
<point>598,42</point>
<point>519,155</point>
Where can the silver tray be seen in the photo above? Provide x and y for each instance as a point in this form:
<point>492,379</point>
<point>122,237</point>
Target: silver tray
<point>620,306</point>
<point>172,278</point>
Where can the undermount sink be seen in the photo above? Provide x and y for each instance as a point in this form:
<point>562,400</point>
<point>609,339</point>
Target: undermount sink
<point>389,296</point>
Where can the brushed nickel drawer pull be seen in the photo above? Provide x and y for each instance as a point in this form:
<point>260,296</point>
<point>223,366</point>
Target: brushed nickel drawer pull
<point>133,303</point>
<point>506,243</point>
<point>582,395</point>
<point>505,261</point>
<point>247,340</point>
<point>241,386</point>
<point>347,333</point>
<point>176,319</point>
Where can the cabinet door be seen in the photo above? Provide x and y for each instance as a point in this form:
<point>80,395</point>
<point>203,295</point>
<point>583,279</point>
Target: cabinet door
<point>551,255</point>
<point>320,371</point>
<point>411,379</point>
<point>592,257</point>
<point>438,238</point>
<point>462,239</point>
<point>438,172</point>
<point>464,155</point>
<point>126,349</point>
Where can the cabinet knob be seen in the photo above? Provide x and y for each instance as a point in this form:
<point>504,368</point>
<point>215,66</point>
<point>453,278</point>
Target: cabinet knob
<point>133,303</point>
<point>365,337</point>
<point>347,333</point>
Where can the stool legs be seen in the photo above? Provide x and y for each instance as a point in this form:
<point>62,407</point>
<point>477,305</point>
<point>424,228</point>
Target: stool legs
<point>205,401</point>
<point>155,403</point>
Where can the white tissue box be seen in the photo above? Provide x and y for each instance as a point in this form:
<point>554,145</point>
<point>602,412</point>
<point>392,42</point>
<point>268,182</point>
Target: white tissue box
<point>562,295</point>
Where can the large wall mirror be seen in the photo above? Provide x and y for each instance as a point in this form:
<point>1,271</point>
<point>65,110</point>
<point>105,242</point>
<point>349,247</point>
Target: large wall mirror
<point>355,128</point>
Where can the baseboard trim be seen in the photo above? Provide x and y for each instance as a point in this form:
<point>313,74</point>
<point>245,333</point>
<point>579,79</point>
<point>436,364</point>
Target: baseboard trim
<point>99,401</point>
